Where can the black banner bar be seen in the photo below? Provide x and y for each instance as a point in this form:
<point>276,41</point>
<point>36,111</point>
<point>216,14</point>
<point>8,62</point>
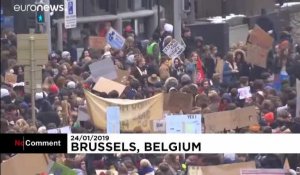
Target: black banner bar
<point>33,143</point>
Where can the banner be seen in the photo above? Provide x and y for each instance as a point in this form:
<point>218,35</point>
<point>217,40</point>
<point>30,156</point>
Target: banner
<point>135,114</point>
<point>298,98</point>
<point>265,172</point>
<point>114,39</point>
<point>258,46</point>
<point>224,169</point>
<point>174,49</point>
<point>22,164</point>
<point>103,68</point>
<point>97,42</point>
<point>238,118</point>
<point>182,124</point>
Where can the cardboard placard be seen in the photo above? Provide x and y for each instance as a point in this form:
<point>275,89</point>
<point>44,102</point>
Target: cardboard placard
<point>258,46</point>
<point>22,164</point>
<point>106,85</point>
<point>174,49</point>
<point>103,68</point>
<point>179,102</point>
<point>224,169</point>
<point>265,172</point>
<point>238,118</point>
<point>183,124</point>
<point>10,78</point>
<point>97,42</point>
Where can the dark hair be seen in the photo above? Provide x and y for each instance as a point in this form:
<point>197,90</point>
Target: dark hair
<point>113,94</point>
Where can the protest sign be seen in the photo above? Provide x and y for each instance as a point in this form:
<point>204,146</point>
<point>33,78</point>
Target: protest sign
<point>97,42</point>
<point>258,46</point>
<point>114,39</point>
<point>21,164</point>
<point>103,68</point>
<point>174,49</point>
<point>298,98</point>
<point>62,130</point>
<point>244,92</point>
<point>238,118</point>
<point>159,126</point>
<point>223,169</point>
<point>177,102</point>
<point>134,113</point>
<point>264,172</point>
<point>10,78</point>
<point>106,85</point>
<point>190,123</point>
<point>83,114</point>
<point>113,120</point>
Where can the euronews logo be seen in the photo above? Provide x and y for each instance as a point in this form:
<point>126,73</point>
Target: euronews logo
<point>39,7</point>
<point>40,10</point>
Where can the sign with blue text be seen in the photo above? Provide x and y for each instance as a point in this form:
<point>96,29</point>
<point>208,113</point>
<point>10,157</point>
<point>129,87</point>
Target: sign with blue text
<point>183,124</point>
<point>114,39</point>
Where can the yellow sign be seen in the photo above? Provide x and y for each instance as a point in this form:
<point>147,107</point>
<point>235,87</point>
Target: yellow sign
<point>136,115</point>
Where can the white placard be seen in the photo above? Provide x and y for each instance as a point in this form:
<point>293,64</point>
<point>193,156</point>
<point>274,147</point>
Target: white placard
<point>174,49</point>
<point>70,14</point>
<point>244,92</point>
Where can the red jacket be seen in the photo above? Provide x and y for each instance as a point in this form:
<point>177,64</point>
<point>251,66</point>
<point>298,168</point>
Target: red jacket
<point>200,71</point>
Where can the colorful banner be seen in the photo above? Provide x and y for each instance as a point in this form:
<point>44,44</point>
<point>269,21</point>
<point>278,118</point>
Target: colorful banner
<point>136,115</point>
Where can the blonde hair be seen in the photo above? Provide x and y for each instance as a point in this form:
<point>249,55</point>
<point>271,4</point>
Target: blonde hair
<point>145,163</point>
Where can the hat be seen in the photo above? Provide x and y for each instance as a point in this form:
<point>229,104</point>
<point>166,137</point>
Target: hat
<point>153,79</point>
<point>4,92</point>
<point>128,29</point>
<point>168,27</point>
<point>269,117</point>
<point>54,89</point>
<point>65,54</point>
<point>71,85</point>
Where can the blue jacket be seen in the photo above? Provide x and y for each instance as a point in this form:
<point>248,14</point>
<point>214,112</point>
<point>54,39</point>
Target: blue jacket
<point>228,76</point>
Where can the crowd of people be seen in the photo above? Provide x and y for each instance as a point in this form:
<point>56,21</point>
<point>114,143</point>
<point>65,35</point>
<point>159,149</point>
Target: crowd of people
<point>150,71</point>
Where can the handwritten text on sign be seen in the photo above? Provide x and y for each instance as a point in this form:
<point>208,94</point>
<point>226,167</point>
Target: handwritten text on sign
<point>174,49</point>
